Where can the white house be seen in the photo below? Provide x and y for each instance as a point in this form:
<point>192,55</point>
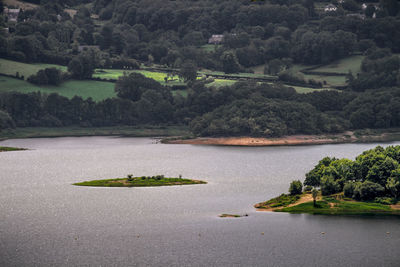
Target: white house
<point>330,8</point>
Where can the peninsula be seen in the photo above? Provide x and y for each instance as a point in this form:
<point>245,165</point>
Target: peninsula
<point>370,185</point>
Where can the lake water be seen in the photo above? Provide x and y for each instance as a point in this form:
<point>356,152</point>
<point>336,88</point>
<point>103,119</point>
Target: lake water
<point>46,221</point>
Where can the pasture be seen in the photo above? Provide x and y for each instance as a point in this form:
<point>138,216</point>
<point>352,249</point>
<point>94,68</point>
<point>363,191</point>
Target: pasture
<point>11,67</point>
<point>96,90</point>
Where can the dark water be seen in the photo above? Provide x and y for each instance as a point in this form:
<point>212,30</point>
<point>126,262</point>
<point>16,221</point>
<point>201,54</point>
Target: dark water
<point>45,221</point>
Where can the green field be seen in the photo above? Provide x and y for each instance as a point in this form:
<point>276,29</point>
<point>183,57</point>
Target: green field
<point>305,90</point>
<point>221,82</point>
<point>209,47</point>
<point>330,80</point>
<point>12,67</point>
<point>95,89</point>
<point>158,76</point>
<point>352,63</point>
<point>143,181</point>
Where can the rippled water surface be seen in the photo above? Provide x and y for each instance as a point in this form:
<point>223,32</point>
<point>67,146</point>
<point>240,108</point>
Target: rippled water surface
<point>46,221</point>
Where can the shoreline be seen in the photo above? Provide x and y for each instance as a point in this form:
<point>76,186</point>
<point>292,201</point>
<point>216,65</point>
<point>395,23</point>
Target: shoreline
<point>76,131</point>
<point>293,140</point>
<point>329,205</point>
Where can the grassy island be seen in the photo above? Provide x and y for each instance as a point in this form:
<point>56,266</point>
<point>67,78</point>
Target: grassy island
<point>6,149</point>
<point>369,185</point>
<point>130,181</point>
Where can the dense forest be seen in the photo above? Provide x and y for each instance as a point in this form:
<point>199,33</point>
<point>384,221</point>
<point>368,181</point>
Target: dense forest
<point>172,34</point>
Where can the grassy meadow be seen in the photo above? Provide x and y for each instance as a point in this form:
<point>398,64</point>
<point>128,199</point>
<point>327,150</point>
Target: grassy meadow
<point>352,63</point>
<point>86,88</point>
<point>10,67</point>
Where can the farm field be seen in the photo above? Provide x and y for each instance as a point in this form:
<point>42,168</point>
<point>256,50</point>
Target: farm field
<point>305,90</point>
<point>352,63</point>
<point>158,76</point>
<point>95,89</point>
<point>11,67</point>
<point>330,80</point>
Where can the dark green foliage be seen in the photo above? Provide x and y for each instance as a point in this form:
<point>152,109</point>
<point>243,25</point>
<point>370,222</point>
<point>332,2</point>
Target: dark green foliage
<point>329,186</point>
<point>313,177</point>
<point>296,188</point>
<point>6,121</point>
<point>348,189</point>
<point>374,173</point>
<point>188,71</point>
<point>368,191</point>
<point>48,76</point>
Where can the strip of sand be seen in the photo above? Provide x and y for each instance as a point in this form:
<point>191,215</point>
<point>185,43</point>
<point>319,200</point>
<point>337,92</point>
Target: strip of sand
<point>346,137</point>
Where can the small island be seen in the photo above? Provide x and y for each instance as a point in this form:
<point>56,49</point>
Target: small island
<point>142,181</point>
<point>7,149</point>
<point>370,185</point>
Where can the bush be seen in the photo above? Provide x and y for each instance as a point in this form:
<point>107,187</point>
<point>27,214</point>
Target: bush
<point>296,187</point>
<point>348,189</point>
<point>329,186</point>
<point>368,191</point>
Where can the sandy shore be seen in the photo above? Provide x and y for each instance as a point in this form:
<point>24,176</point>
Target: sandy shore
<point>305,198</point>
<point>347,137</point>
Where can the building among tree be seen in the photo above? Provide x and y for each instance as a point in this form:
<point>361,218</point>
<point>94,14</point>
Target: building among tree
<point>216,39</point>
<point>330,8</point>
<point>11,13</point>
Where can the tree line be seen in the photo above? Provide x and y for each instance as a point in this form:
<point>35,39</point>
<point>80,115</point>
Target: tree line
<point>173,32</point>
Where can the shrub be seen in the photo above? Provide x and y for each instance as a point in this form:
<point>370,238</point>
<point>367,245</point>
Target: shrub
<point>130,177</point>
<point>296,187</point>
<point>348,189</point>
<point>329,186</point>
<point>368,191</point>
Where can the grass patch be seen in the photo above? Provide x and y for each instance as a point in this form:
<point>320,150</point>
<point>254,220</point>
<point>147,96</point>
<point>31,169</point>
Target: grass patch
<point>143,181</point>
<point>281,201</point>
<point>334,207</point>
<point>6,149</point>
<point>86,88</point>
<point>11,67</point>
<point>210,47</point>
<point>352,63</point>
<point>156,75</point>
<point>221,82</point>
<point>305,90</point>
<point>330,80</point>
<point>128,131</point>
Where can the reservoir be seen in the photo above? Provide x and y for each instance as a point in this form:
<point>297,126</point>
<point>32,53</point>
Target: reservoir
<point>46,221</point>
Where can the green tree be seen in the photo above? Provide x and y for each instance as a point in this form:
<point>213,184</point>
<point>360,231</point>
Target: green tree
<point>296,187</point>
<point>230,62</point>
<point>314,193</point>
<point>393,185</point>
<point>329,186</point>
<point>188,71</point>
<point>6,121</point>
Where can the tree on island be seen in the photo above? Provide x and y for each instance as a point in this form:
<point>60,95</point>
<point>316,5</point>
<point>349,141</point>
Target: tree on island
<point>314,193</point>
<point>296,187</point>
